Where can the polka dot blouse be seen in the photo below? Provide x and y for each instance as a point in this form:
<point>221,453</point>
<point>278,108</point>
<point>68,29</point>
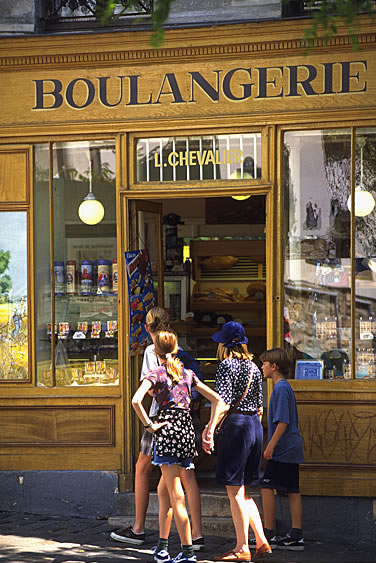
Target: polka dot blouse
<point>231,380</point>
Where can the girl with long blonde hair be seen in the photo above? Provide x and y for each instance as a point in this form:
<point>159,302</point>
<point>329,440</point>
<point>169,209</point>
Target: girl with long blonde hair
<point>173,437</point>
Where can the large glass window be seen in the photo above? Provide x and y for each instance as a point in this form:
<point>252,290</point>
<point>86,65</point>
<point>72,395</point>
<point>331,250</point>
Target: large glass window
<point>365,253</point>
<point>214,157</point>
<point>317,275</point>
<point>14,329</point>
<point>76,266</point>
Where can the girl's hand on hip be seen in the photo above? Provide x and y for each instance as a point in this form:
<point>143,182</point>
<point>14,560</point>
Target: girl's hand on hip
<point>155,426</point>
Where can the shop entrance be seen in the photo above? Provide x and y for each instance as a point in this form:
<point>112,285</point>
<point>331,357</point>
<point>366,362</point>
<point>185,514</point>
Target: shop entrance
<point>208,262</point>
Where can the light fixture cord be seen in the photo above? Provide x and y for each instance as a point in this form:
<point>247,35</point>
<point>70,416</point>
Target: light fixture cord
<point>90,177</point>
<point>361,166</point>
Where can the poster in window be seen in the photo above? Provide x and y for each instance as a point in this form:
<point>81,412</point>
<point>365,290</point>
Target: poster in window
<point>141,297</point>
<point>309,369</point>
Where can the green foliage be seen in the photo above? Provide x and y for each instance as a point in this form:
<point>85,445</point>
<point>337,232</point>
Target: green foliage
<point>104,11</point>
<point>4,260</point>
<point>5,286</point>
<point>330,12</point>
<point>325,16</point>
<point>160,15</point>
<point>5,280</point>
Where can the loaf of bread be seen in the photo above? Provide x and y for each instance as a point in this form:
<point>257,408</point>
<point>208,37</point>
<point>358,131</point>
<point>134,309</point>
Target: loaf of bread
<point>218,262</point>
<point>256,290</point>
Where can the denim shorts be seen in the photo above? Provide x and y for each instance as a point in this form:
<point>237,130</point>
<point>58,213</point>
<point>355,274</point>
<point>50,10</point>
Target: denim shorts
<point>281,476</point>
<point>159,460</point>
<point>239,450</point>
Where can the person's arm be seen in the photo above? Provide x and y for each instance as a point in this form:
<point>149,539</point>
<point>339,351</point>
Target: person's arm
<point>137,399</point>
<point>277,434</point>
<point>260,400</point>
<point>218,407</point>
<point>149,362</point>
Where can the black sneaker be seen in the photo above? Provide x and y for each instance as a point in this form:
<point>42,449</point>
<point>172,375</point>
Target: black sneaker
<point>287,542</point>
<point>272,542</point>
<point>198,543</point>
<point>127,535</point>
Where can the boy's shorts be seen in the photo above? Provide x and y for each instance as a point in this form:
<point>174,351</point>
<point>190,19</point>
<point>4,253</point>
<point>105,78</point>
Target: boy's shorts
<point>284,477</point>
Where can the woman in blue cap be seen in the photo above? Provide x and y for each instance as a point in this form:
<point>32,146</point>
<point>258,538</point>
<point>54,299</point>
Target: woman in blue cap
<point>239,383</point>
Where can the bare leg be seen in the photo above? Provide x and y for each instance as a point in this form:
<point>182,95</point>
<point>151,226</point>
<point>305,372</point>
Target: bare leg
<point>189,481</point>
<point>171,476</point>
<point>238,505</point>
<point>165,510</point>
<point>255,522</point>
<point>295,501</point>
<point>141,489</point>
<point>268,505</point>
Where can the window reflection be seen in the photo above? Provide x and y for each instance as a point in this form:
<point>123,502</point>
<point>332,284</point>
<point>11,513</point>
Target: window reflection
<point>317,249</point>
<point>365,255</point>
<point>82,336</point>
<point>14,328</point>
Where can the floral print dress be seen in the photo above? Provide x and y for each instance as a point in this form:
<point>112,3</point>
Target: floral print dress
<point>177,439</point>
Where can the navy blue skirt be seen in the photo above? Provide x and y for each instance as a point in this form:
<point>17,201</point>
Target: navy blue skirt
<point>239,450</point>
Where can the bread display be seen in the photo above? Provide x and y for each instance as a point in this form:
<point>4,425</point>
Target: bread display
<point>213,294</point>
<point>219,262</point>
<point>256,290</point>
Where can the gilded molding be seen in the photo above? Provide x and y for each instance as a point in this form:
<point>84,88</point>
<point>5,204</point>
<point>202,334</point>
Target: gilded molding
<point>181,53</point>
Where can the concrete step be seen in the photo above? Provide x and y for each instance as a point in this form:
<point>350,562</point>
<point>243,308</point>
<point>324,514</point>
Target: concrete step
<point>215,509</point>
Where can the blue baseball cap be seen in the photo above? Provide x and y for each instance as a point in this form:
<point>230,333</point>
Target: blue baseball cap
<point>232,334</point>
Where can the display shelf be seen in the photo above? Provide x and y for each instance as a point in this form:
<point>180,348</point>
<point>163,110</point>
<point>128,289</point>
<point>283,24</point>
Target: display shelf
<point>226,306</point>
<point>206,332</point>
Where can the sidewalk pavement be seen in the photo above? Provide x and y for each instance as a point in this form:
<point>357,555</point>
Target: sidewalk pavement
<point>54,539</point>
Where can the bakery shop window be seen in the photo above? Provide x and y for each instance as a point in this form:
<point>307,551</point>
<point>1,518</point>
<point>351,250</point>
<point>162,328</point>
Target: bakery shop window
<point>76,316</point>
<point>14,297</point>
<point>317,266</point>
<point>209,157</point>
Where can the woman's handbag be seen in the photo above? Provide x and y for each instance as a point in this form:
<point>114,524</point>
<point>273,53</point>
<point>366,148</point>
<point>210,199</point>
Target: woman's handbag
<point>227,413</point>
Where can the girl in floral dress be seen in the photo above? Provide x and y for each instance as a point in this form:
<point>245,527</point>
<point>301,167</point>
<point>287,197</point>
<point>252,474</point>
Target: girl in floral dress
<point>174,437</point>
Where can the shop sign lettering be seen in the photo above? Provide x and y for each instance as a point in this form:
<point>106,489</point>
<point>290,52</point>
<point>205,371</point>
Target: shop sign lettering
<point>235,85</point>
<point>201,158</point>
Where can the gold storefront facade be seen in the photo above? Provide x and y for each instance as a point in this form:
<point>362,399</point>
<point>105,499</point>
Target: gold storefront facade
<point>240,112</point>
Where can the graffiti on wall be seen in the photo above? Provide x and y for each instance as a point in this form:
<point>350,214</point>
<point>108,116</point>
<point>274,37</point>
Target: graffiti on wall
<point>341,434</point>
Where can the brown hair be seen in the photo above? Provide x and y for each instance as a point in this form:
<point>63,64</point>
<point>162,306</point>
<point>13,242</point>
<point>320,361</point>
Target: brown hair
<point>240,351</point>
<point>157,319</point>
<point>279,357</point>
<point>166,344</point>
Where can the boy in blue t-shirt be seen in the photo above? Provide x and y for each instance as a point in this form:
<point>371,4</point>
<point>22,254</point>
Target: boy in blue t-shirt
<point>284,452</point>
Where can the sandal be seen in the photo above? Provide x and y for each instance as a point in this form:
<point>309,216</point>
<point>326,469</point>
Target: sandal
<point>233,556</point>
<point>263,550</point>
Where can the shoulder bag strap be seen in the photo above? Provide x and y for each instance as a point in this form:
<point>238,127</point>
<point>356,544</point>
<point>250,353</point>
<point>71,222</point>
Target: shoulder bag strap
<point>246,389</point>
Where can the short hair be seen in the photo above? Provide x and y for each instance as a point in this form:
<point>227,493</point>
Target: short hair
<point>279,357</point>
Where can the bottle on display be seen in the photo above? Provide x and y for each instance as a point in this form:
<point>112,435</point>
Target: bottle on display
<point>87,273</point>
<point>104,279</point>
<point>114,275</point>
<point>59,278</point>
<point>70,276</point>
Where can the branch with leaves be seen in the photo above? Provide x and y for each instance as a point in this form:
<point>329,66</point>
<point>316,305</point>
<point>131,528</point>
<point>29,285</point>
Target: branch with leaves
<point>326,15</point>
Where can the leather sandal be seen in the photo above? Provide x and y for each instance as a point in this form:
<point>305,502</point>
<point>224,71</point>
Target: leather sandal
<point>234,556</point>
<point>263,550</point>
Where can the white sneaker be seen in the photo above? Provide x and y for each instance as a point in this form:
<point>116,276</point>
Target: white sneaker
<point>162,556</point>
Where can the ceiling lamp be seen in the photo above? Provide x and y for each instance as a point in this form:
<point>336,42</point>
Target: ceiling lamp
<point>91,211</point>
<point>237,175</point>
<point>364,200</point>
